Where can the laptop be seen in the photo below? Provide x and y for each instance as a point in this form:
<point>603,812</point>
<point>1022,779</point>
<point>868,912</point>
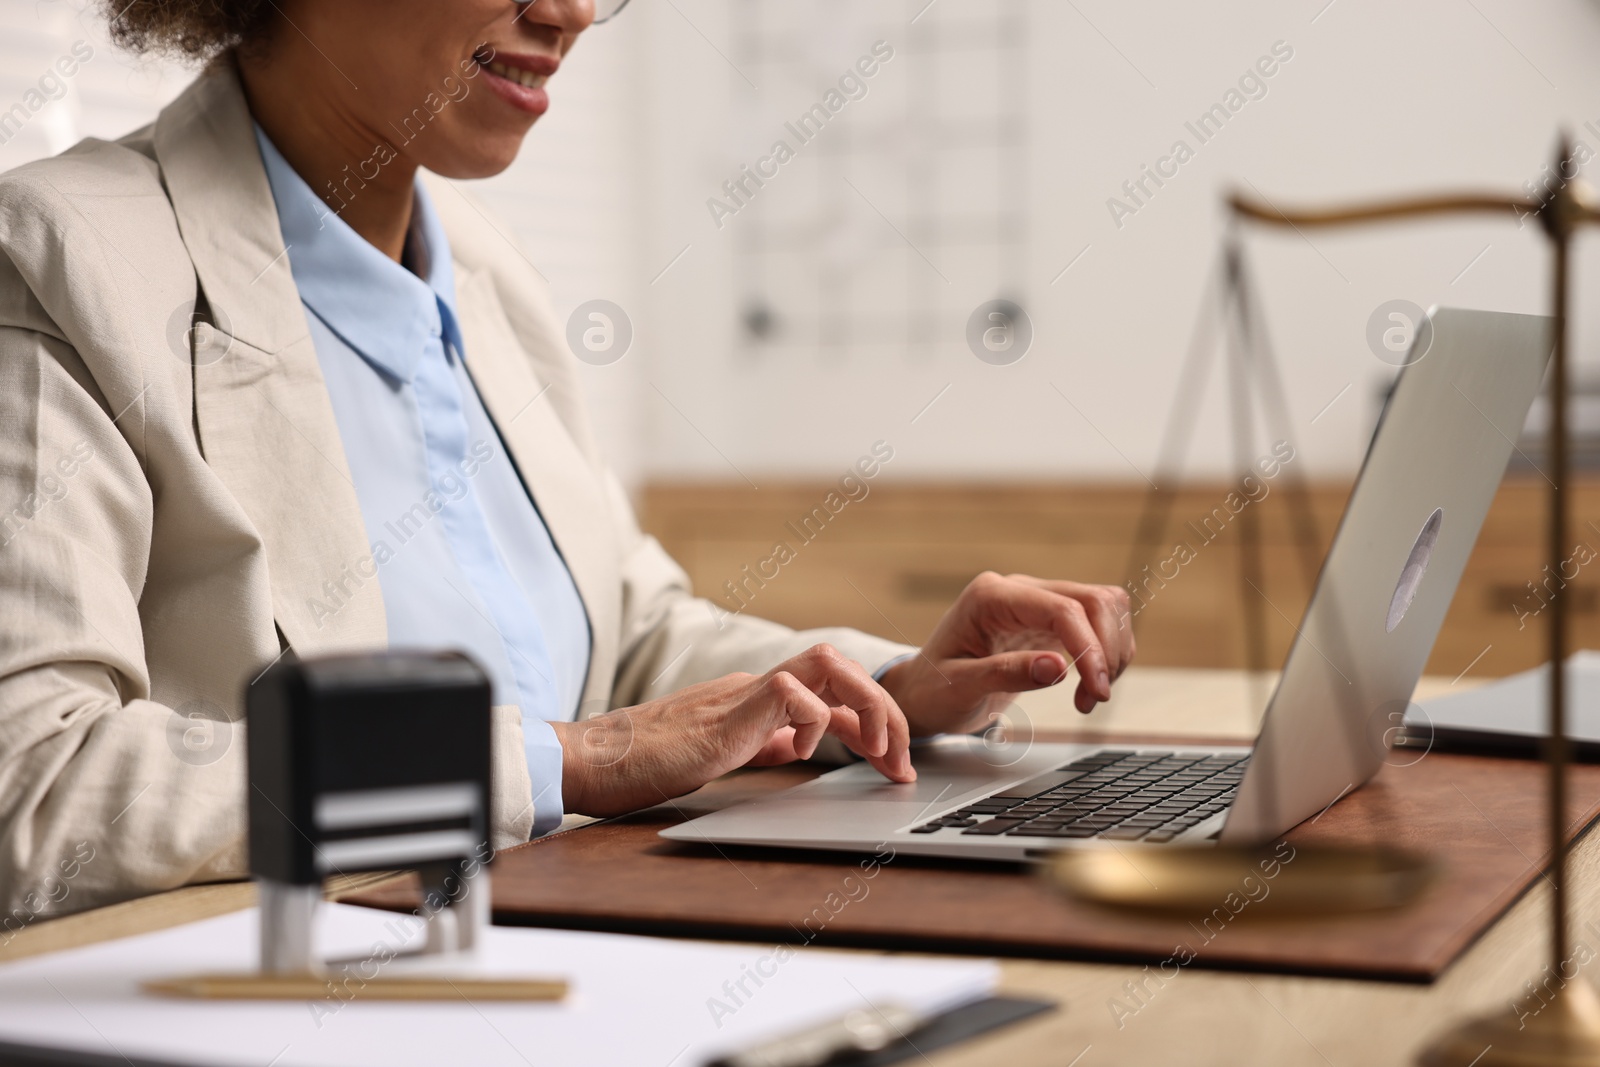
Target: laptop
<point>1434,464</point>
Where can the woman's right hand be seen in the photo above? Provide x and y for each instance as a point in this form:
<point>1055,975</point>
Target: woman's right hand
<point>635,757</point>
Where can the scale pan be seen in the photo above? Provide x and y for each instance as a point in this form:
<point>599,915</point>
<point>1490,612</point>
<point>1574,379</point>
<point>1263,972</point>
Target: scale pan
<point>1299,881</point>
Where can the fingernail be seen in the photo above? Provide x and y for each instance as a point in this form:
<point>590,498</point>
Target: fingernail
<point>1045,670</point>
<point>1105,685</point>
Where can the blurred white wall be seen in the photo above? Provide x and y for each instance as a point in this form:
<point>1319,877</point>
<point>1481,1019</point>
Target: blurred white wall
<point>1378,98</point>
<point>652,113</point>
<point>105,95</point>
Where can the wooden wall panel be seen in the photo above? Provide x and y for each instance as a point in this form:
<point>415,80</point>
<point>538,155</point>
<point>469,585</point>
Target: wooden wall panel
<point>890,562</point>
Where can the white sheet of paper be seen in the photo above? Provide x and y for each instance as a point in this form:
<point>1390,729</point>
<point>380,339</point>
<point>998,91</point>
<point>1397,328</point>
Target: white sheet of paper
<point>637,1001</point>
<point>1518,704</point>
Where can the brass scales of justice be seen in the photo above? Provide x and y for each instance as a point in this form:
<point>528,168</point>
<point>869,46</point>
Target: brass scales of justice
<point>1567,1030</point>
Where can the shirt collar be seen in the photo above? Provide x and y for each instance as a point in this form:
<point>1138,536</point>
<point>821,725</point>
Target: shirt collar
<point>376,306</point>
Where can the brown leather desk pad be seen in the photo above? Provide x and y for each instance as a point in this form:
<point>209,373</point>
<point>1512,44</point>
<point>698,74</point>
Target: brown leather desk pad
<point>1483,818</point>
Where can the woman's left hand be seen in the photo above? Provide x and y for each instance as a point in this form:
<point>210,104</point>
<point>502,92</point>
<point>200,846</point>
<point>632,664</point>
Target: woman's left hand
<point>1011,634</point>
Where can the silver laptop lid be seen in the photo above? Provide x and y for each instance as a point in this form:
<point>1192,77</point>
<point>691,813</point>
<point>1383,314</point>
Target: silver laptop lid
<point>1432,470</point>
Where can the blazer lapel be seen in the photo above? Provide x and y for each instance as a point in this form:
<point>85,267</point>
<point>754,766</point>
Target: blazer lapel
<point>266,425</point>
<point>564,485</point>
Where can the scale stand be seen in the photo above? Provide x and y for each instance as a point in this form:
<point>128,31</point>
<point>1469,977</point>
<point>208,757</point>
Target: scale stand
<point>1256,396</point>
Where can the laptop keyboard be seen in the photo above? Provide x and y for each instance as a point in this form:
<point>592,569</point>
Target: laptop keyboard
<point>1114,795</point>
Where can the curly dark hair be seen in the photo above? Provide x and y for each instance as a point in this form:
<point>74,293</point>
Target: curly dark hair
<point>191,29</point>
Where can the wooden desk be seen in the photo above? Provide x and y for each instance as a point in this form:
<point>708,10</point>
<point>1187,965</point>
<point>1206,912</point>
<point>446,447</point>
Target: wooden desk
<point>904,551</point>
<point>1199,1017</point>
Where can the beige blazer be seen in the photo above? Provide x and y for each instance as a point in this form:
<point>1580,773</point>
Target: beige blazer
<point>178,506</point>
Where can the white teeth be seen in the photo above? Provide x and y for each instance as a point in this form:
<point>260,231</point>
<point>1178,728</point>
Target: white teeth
<point>521,77</point>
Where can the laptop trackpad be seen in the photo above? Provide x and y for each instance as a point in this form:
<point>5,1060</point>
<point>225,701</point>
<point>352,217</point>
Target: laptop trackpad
<point>947,768</point>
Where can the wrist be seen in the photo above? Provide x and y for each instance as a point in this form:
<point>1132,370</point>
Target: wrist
<point>892,676</point>
<point>575,768</point>
<point>602,775</point>
<point>898,679</point>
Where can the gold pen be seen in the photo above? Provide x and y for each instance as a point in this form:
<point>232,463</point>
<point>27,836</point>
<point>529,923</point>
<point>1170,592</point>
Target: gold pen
<point>384,987</point>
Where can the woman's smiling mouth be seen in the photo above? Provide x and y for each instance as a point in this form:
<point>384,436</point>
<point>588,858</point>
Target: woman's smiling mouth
<point>518,79</point>
<point>526,77</point>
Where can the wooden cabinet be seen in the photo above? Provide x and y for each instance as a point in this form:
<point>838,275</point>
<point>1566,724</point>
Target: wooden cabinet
<point>890,562</point>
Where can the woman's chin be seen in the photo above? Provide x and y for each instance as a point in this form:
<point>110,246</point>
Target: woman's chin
<point>476,158</point>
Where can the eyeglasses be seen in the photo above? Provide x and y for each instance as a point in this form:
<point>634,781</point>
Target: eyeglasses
<point>604,10</point>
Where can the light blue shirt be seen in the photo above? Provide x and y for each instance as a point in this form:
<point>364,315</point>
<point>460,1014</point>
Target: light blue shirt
<point>464,559</point>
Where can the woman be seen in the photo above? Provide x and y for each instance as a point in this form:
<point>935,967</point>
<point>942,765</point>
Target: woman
<point>269,386</point>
